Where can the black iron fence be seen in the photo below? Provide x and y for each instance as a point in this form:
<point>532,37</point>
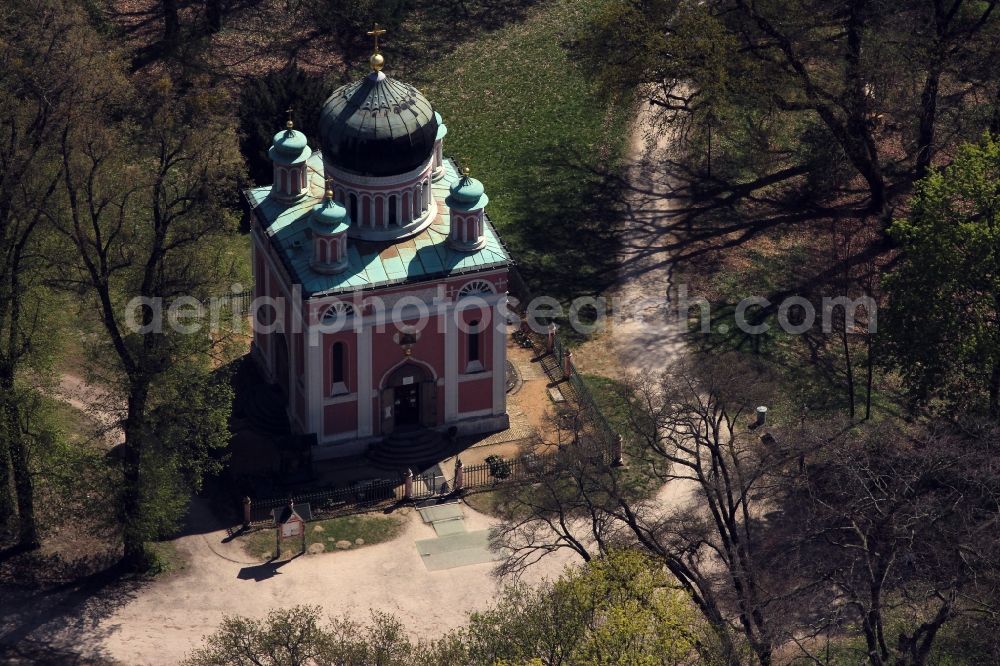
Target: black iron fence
<point>377,494</point>
<point>561,369</point>
<point>243,299</point>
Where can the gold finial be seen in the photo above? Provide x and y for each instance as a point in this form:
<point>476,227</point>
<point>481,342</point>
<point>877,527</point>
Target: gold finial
<point>288,123</point>
<point>329,188</point>
<point>376,61</point>
<point>465,169</point>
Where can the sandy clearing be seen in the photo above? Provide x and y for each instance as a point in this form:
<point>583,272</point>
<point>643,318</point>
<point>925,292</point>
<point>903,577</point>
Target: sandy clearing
<point>170,616</point>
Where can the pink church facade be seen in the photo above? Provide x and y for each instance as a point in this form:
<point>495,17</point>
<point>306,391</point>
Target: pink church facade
<point>380,284</point>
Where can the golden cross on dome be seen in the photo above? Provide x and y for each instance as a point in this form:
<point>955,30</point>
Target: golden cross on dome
<point>376,32</point>
<point>289,123</point>
<point>329,187</point>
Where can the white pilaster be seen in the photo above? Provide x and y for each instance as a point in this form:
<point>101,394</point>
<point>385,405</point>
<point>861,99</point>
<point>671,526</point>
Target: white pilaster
<point>364,374</point>
<point>450,364</point>
<point>499,358</point>
<point>315,391</point>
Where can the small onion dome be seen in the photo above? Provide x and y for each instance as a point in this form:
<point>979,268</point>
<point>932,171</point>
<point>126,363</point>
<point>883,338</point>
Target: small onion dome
<point>467,194</point>
<point>289,152</point>
<point>329,217</point>
<point>465,205</point>
<point>329,223</point>
<point>289,146</point>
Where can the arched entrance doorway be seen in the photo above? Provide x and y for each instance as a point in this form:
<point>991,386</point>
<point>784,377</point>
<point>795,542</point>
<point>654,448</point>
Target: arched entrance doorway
<point>409,399</point>
<point>281,362</point>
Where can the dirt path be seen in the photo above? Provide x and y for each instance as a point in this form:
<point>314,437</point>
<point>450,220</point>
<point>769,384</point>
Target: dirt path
<point>643,335</point>
<point>95,402</point>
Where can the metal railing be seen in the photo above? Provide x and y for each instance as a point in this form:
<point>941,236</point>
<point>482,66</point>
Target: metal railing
<point>383,493</point>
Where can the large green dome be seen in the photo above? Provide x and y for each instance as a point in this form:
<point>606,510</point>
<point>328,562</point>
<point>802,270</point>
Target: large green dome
<point>377,126</point>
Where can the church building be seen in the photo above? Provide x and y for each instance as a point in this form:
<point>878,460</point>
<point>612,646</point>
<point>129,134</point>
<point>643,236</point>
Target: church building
<point>380,283</point>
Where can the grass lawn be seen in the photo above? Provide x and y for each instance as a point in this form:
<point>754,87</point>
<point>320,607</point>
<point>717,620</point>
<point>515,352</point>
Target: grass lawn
<point>530,123</point>
<point>166,558</point>
<point>369,529</point>
<point>485,503</point>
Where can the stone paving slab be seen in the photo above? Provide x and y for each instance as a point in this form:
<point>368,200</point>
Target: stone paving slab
<point>457,550</point>
<point>519,429</point>
<point>449,527</point>
<point>437,512</point>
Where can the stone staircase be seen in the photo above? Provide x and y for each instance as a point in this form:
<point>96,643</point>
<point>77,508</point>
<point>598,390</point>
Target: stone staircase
<point>413,449</point>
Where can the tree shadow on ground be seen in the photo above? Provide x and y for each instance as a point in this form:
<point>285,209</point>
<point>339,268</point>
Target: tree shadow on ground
<point>564,229</point>
<point>266,570</point>
<point>673,219</point>
<point>53,623</point>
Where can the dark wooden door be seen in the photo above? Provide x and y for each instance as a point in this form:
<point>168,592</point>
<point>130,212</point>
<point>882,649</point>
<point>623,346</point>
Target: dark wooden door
<point>407,405</point>
<point>388,410</point>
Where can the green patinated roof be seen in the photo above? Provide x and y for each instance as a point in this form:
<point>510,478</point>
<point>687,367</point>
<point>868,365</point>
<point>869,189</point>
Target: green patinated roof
<point>371,264</point>
<point>467,193</point>
<point>289,146</point>
<point>329,217</point>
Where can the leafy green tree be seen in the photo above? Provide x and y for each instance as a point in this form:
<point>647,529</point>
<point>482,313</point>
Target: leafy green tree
<point>55,67</point>
<point>287,637</point>
<point>146,209</point>
<point>941,329</point>
<point>620,609</point>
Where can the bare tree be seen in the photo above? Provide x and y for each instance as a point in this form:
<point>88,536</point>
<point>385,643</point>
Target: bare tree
<point>899,524</point>
<point>688,432</point>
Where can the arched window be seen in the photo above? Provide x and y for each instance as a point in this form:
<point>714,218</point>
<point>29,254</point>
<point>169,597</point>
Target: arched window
<point>393,216</point>
<point>354,208</point>
<point>426,198</point>
<point>476,287</point>
<point>337,311</point>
